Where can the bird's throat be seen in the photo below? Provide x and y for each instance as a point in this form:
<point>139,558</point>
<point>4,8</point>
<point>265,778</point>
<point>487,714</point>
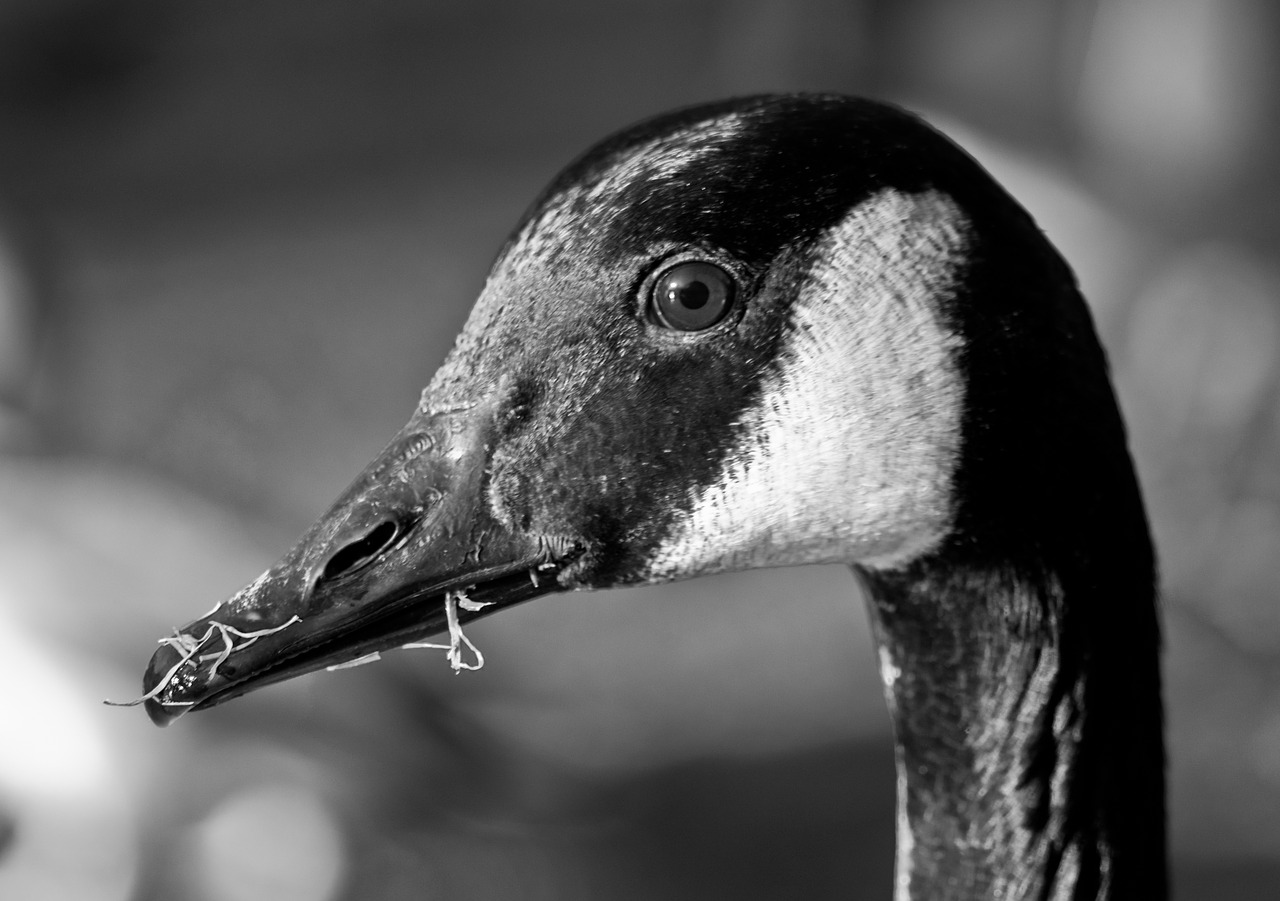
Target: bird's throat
<point>1017,778</point>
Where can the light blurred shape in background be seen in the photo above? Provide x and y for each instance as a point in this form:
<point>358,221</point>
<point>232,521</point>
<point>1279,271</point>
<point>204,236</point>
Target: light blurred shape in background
<point>1168,96</point>
<point>259,227</point>
<point>71,819</point>
<point>1203,363</point>
<point>268,841</point>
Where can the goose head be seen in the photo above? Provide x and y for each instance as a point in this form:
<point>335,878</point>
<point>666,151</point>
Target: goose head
<point>779,331</point>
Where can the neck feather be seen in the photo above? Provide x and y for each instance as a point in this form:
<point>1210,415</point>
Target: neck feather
<point>1026,710</point>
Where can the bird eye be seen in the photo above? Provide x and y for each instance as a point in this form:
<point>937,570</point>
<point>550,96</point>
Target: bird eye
<point>691,296</point>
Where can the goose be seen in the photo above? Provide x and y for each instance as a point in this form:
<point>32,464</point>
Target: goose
<point>774,331</point>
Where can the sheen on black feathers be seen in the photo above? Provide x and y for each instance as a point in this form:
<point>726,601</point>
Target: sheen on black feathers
<point>895,334</point>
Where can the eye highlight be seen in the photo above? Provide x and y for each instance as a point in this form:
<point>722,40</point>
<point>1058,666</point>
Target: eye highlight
<point>691,296</point>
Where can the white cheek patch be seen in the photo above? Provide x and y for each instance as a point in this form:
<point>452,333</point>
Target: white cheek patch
<point>849,454</point>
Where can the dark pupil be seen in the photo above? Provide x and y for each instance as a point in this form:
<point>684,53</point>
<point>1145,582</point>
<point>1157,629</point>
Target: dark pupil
<point>691,295</point>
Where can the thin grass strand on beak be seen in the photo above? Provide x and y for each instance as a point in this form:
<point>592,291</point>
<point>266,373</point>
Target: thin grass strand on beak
<point>189,646</point>
<point>372,657</point>
<point>452,600</point>
<point>227,647</point>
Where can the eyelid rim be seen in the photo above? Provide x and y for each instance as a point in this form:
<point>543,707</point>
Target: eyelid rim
<point>643,300</point>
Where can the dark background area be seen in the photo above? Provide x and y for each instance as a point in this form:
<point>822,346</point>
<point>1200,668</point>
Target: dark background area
<point>237,238</point>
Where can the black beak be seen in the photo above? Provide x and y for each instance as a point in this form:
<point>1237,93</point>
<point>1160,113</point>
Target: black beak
<point>410,550</point>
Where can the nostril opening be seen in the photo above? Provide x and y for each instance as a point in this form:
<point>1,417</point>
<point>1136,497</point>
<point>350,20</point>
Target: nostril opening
<point>359,552</point>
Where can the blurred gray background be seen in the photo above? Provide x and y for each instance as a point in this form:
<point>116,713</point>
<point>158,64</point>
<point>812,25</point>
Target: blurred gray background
<point>236,239</point>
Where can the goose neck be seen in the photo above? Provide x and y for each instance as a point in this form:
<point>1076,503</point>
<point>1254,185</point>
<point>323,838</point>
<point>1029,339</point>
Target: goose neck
<point>1027,731</point>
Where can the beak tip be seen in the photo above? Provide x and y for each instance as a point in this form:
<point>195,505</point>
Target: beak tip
<point>161,663</point>
<point>161,714</point>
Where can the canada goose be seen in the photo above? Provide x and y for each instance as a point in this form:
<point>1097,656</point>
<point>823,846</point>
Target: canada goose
<point>773,331</point>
